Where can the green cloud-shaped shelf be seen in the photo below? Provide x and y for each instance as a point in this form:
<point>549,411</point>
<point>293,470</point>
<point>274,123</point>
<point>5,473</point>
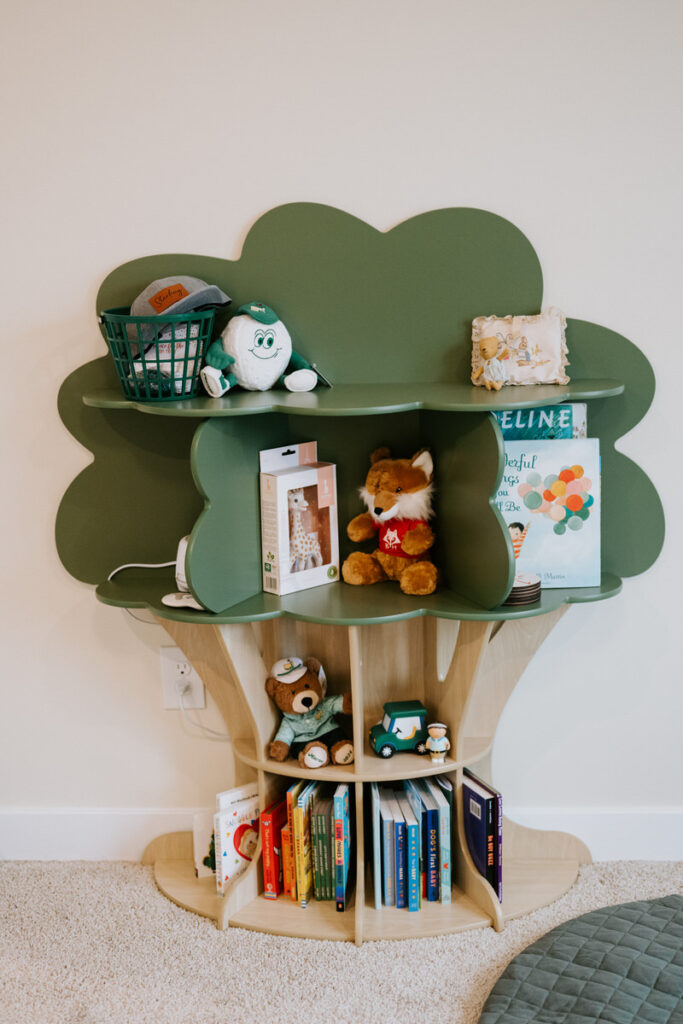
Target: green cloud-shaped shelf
<point>387,318</point>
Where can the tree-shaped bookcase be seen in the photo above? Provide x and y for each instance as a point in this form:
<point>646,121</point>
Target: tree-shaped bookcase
<point>387,318</point>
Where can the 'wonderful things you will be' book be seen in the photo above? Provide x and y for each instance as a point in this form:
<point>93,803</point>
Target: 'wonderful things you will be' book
<point>550,499</point>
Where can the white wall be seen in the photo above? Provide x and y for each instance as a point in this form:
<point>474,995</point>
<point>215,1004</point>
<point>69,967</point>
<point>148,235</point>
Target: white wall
<point>139,127</point>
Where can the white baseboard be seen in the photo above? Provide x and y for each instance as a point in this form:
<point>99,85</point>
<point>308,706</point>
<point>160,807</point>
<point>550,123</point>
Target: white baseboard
<point>613,833</point>
<point>76,833</point>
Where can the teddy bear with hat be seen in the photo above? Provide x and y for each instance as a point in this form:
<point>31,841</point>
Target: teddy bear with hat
<point>309,729</point>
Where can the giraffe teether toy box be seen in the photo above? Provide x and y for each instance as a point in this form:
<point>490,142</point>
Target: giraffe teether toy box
<point>299,539</point>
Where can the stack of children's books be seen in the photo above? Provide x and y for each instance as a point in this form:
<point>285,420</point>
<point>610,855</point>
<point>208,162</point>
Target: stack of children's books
<point>306,844</point>
<point>411,829</point>
<point>225,840</point>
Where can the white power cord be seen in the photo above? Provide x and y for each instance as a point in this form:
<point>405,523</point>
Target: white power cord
<point>206,733</point>
<point>140,565</point>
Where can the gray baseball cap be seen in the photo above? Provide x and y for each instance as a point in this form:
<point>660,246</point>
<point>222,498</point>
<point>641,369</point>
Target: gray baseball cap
<point>175,295</point>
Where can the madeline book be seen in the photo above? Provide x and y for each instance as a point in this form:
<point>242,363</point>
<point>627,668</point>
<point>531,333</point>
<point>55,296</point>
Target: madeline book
<point>550,422</point>
<point>549,497</point>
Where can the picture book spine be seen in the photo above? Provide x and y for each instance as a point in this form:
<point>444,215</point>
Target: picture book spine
<point>339,863</point>
<point>341,843</point>
<point>316,845</point>
<point>388,861</point>
<point>292,795</point>
<point>412,853</point>
<point>413,798</point>
<point>302,816</point>
<point>444,811</point>
<point>499,847</point>
<point>299,853</point>
<point>491,844</point>
<point>218,849</point>
<point>432,855</point>
<point>287,860</point>
<point>376,845</point>
<point>270,873</point>
<point>400,853</point>
<point>325,854</point>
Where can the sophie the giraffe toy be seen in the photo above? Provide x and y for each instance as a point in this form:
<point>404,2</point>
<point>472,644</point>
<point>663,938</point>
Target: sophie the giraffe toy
<point>304,548</point>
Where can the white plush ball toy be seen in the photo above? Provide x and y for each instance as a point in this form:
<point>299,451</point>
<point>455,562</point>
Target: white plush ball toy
<point>260,344</point>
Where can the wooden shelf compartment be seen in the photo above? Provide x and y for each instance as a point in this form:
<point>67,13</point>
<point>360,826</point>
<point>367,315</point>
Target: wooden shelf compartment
<point>367,768</point>
<point>319,920</point>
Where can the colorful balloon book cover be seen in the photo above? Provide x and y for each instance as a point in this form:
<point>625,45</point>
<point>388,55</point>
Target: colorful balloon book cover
<point>550,499</point>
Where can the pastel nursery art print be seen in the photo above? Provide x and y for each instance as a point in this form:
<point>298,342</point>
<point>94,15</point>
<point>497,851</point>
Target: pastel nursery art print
<point>549,498</point>
<point>519,350</point>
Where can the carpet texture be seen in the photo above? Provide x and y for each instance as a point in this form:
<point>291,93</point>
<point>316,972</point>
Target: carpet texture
<point>87,943</point>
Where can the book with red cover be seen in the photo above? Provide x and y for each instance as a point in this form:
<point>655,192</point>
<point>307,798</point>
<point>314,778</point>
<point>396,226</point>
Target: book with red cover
<point>272,821</point>
<point>287,861</point>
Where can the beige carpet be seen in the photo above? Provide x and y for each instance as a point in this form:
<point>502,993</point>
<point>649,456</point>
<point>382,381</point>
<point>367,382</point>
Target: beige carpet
<point>85,943</point>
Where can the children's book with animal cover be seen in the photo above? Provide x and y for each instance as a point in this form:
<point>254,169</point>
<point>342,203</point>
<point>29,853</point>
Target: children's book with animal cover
<point>550,499</point>
<point>236,830</point>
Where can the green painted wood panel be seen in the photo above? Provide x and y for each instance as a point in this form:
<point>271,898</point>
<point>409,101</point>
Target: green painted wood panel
<point>387,316</point>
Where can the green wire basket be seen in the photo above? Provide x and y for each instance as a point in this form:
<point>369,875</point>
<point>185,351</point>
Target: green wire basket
<point>158,358</point>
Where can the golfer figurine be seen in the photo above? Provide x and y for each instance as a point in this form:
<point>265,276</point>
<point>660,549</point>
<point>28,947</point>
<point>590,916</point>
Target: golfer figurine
<point>437,744</point>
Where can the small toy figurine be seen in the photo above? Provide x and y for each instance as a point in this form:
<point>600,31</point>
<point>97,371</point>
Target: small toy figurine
<point>308,728</point>
<point>401,728</point>
<point>493,372</point>
<point>437,744</point>
<point>398,495</point>
<point>255,351</point>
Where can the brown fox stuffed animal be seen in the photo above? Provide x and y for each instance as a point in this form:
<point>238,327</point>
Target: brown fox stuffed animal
<point>398,494</point>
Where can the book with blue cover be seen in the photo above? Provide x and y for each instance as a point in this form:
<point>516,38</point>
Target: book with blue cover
<point>342,842</point>
<point>430,840</point>
<point>546,422</point>
<point>482,809</point>
<point>412,860</point>
<point>444,810</point>
<point>418,810</point>
<point>549,497</point>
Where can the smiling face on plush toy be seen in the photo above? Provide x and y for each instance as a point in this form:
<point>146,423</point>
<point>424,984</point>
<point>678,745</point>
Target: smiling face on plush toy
<point>260,344</point>
<point>399,488</point>
<point>296,686</point>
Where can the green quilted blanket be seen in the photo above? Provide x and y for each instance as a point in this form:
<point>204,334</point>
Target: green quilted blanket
<point>623,964</point>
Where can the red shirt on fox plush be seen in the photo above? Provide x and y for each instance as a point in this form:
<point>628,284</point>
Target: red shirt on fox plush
<point>391,535</point>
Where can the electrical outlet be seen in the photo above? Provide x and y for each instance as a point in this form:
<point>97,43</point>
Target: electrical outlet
<point>176,672</point>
